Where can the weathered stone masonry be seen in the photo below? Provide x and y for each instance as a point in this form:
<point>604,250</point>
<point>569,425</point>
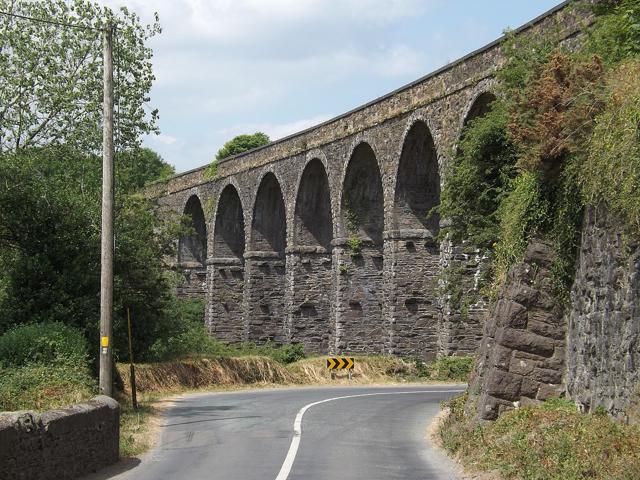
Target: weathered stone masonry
<point>603,347</point>
<point>60,444</point>
<point>328,237</point>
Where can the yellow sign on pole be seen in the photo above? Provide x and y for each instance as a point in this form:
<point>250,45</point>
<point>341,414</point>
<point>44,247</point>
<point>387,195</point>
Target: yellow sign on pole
<point>104,342</point>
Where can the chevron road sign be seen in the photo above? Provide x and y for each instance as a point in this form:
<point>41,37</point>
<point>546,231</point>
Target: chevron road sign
<point>340,363</point>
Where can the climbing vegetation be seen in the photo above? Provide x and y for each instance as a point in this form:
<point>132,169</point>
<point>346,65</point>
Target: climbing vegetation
<point>352,225</point>
<point>611,170</point>
<point>479,178</point>
<point>562,135</point>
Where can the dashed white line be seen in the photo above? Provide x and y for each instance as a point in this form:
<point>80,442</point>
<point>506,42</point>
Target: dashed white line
<point>285,470</point>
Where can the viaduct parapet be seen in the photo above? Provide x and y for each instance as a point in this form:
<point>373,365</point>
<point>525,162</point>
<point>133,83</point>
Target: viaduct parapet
<point>329,237</point>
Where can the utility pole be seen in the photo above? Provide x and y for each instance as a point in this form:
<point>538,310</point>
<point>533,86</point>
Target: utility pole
<point>106,258</point>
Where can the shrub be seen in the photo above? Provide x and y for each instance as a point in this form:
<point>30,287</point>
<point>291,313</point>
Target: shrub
<point>611,170</point>
<point>446,368</point>
<point>478,179</point>
<point>43,343</point>
<point>288,353</point>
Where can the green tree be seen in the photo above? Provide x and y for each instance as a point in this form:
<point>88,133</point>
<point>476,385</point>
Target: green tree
<point>242,143</point>
<point>138,167</point>
<point>50,246</point>
<point>235,146</point>
<point>51,75</point>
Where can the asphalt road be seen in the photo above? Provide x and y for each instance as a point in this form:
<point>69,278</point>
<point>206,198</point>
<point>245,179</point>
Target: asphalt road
<point>375,433</point>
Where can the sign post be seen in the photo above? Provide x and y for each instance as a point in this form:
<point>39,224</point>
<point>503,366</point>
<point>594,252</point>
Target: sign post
<point>340,363</point>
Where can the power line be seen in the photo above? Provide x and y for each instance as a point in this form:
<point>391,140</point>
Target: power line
<point>50,22</point>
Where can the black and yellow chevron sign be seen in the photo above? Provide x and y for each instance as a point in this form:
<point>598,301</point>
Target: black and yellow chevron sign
<point>340,363</point>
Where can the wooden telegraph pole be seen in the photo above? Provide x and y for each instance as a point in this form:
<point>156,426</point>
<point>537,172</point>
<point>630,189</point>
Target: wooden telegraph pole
<point>107,247</point>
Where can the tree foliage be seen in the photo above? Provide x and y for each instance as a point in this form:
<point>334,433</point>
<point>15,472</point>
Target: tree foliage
<point>51,75</point>
<point>242,143</point>
<point>236,146</point>
<point>478,179</point>
<point>50,244</point>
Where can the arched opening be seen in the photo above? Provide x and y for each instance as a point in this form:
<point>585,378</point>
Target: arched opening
<point>228,240</point>
<point>362,210</point>
<point>265,265</point>
<point>192,247</point>
<point>413,246</point>
<point>481,106</point>
<point>481,173</point>
<point>269,228</point>
<point>359,276</point>
<point>226,269</point>
<point>313,222</point>
<point>418,182</point>
<point>310,262</point>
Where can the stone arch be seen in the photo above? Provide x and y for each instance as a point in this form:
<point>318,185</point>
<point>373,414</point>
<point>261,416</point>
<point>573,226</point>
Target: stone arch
<point>417,189</point>
<point>269,223</point>
<point>362,204</point>
<point>265,265</point>
<point>229,230</point>
<point>192,247</point>
<point>479,108</point>
<point>313,223</point>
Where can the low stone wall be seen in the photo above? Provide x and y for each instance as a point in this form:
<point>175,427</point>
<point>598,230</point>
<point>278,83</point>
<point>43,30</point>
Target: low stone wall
<point>59,444</point>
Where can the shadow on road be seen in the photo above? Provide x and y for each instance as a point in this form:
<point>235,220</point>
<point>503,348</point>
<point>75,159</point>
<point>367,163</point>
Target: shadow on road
<point>208,420</point>
<point>122,466</point>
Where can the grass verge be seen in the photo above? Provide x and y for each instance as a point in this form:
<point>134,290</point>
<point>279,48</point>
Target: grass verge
<point>44,387</point>
<point>549,441</point>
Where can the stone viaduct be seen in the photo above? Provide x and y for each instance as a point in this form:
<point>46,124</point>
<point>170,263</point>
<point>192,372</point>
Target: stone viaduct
<point>329,237</point>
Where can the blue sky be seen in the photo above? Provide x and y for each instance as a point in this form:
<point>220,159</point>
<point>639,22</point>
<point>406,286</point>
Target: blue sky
<point>225,67</point>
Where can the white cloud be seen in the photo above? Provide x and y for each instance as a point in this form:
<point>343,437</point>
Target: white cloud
<point>246,20</point>
<point>163,139</point>
<point>225,67</point>
<point>274,130</point>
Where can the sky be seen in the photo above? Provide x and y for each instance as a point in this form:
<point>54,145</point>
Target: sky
<point>226,67</point>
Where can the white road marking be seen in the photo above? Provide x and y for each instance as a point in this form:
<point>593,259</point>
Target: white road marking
<point>297,424</point>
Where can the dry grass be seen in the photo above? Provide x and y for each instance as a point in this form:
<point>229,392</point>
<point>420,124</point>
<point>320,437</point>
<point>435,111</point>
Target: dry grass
<point>203,373</point>
<point>366,370</point>
<point>550,441</point>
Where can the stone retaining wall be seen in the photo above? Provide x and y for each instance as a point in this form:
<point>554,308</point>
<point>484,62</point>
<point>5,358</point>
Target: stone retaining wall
<point>603,322</point>
<point>59,444</point>
<point>522,355</point>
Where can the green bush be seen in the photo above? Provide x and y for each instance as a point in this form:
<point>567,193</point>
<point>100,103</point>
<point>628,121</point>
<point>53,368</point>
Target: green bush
<point>43,343</point>
<point>285,354</point>
<point>479,178</point>
<point>446,368</point>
